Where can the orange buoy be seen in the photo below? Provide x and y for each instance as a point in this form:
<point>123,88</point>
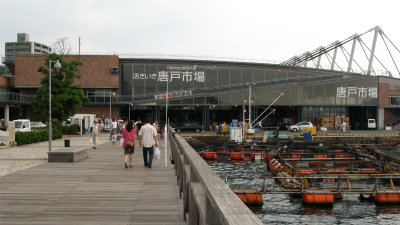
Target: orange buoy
<point>257,156</point>
<point>338,196</point>
<point>320,156</point>
<point>305,171</point>
<point>340,164</point>
<point>367,169</point>
<point>336,170</point>
<point>210,155</point>
<point>237,156</point>
<point>387,196</point>
<point>318,197</point>
<point>249,197</point>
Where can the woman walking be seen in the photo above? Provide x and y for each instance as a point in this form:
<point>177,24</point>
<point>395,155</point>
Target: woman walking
<point>128,134</point>
<point>95,133</point>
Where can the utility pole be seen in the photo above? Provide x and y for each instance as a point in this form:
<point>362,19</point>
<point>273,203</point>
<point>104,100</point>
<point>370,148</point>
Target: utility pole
<point>79,38</point>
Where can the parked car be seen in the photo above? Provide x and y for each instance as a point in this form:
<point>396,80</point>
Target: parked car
<point>189,127</point>
<point>38,124</point>
<point>300,126</point>
<point>22,125</point>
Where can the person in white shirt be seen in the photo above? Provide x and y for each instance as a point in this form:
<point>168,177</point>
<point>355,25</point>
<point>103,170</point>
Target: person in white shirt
<point>147,140</point>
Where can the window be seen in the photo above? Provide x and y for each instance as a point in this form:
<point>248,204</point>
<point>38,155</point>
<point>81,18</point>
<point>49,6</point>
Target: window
<point>394,100</point>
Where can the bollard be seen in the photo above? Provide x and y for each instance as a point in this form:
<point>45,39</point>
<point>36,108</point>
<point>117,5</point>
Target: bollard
<point>67,143</point>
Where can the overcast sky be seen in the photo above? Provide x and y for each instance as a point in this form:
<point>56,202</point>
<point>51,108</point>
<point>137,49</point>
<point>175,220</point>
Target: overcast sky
<point>265,29</point>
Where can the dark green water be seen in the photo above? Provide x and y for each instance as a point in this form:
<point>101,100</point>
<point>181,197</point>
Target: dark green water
<point>283,209</point>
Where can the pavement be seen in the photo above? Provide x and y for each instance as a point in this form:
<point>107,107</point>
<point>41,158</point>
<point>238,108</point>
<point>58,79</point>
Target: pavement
<point>97,190</point>
<point>13,159</point>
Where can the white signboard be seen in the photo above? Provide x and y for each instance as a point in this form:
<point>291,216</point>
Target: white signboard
<point>362,92</point>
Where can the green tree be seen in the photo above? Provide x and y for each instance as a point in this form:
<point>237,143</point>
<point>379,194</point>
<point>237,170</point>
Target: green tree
<point>2,70</point>
<point>66,97</point>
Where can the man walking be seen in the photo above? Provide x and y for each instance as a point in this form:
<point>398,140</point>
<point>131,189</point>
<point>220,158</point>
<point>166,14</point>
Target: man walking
<point>147,139</point>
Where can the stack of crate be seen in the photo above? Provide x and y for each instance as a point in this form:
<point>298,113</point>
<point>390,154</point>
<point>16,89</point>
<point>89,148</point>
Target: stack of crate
<point>341,119</point>
<point>326,121</point>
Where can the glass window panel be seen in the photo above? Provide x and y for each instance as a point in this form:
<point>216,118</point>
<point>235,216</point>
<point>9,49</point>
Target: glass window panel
<point>293,77</point>
<point>303,77</point>
<point>223,78</point>
<point>199,100</point>
<point>270,77</point>
<point>258,76</point>
<point>199,87</point>
<point>126,79</point>
<point>352,92</point>
<point>330,94</point>
<point>188,101</point>
<point>237,98</point>
<point>294,96</point>
<point>247,75</point>
<point>161,85</point>
<point>138,83</point>
<point>281,77</point>
<point>308,95</point>
<point>212,100</point>
<point>224,100</point>
<point>235,77</point>
<point>341,93</point>
<point>319,94</point>
<point>212,79</point>
<point>151,82</point>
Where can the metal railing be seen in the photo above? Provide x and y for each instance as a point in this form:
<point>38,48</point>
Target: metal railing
<point>206,198</point>
<point>13,97</point>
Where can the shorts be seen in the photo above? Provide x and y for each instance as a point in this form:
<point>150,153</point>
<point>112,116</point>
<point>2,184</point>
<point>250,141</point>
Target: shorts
<point>129,150</point>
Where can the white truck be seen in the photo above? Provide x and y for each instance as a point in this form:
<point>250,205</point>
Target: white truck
<point>22,125</point>
<point>85,121</point>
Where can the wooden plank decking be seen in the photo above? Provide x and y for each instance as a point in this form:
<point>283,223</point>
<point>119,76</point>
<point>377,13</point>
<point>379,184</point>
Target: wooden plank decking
<point>97,190</point>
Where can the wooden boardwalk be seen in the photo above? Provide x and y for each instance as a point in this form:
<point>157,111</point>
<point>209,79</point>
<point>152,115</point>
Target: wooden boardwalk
<point>98,190</point>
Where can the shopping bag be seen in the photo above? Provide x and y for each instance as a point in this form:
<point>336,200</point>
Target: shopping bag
<point>91,140</point>
<point>157,154</point>
<point>121,142</point>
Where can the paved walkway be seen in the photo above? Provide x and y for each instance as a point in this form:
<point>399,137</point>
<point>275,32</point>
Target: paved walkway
<point>98,190</point>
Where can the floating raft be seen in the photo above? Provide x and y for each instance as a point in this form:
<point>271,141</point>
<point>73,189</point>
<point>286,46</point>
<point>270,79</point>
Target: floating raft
<point>249,197</point>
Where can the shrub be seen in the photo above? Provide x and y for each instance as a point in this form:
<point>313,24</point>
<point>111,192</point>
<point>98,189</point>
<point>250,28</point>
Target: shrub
<point>70,129</point>
<point>23,138</point>
<point>3,128</point>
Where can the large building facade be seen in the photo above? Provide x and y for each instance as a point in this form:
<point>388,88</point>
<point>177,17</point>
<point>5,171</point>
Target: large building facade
<point>214,91</point>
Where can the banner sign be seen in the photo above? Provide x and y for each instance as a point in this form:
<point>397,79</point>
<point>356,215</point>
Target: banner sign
<point>362,92</point>
<point>184,73</point>
<point>173,95</point>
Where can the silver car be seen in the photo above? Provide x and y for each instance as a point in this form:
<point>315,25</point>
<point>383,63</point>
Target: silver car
<point>300,126</point>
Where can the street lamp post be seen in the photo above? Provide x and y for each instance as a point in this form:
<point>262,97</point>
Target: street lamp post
<point>130,104</point>
<point>56,65</point>
<point>166,127</point>
<point>113,94</point>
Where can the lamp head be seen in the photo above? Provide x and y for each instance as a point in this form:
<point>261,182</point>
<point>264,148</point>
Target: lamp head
<point>57,65</point>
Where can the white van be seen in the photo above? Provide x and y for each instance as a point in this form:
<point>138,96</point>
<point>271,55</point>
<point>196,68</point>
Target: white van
<point>84,120</point>
<point>371,124</point>
<point>22,125</point>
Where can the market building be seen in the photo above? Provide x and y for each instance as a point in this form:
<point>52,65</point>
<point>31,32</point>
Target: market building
<point>206,91</point>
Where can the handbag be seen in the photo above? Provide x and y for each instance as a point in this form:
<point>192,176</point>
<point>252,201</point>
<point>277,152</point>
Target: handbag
<point>157,154</point>
<point>121,142</point>
<point>130,143</point>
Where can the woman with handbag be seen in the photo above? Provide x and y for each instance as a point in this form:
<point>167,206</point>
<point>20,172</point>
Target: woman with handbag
<point>128,134</point>
<point>95,133</point>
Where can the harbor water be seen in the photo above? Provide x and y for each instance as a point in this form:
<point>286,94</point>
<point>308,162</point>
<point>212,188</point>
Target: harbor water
<point>284,209</point>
